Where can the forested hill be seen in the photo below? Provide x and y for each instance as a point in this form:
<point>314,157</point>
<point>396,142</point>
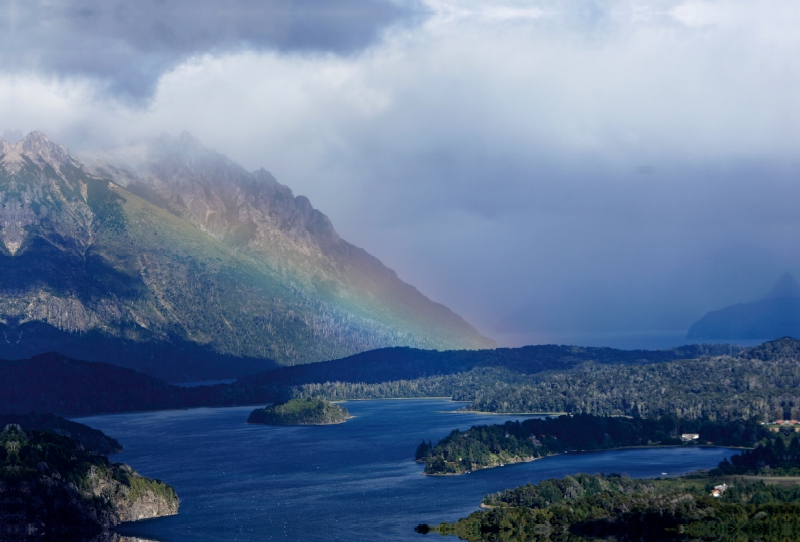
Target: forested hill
<point>91,439</point>
<point>401,363</point>
<point>57,384</point>
<point>56,489</point>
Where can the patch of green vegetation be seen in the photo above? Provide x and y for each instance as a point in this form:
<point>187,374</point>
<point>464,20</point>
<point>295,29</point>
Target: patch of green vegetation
<point>141,487</point>
<point>307,411</point>
<point>106,205</point>
<point>591,507</point>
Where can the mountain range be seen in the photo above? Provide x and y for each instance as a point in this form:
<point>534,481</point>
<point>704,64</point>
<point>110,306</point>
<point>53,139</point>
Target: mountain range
<point>171,259</point>
<point>777,314</point>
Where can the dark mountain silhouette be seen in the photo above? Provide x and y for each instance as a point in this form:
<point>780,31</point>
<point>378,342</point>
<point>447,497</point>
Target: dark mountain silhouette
<point>776,315</point>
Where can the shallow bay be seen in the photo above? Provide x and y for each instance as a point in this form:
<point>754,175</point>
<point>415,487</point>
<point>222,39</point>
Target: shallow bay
<point>354,481</point>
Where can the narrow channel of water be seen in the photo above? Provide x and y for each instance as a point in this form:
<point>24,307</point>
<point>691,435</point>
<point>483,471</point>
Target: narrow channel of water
<point>354,481</point>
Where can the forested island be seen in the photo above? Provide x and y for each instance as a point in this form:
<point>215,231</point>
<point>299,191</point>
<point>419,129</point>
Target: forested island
<point>485,446</point>
<point>54,488</point>
<point>703,506</point>
<point>305,411</point>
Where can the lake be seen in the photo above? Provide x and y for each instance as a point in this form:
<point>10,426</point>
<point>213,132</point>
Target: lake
<point>354,481</point>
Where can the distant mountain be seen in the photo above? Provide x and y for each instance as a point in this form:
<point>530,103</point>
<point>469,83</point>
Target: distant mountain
<point>776,315</point>
<point>171,259</point>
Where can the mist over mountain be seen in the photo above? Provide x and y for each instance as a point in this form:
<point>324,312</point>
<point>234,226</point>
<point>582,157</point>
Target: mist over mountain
<point>171,259</point>
<point>776,315</point>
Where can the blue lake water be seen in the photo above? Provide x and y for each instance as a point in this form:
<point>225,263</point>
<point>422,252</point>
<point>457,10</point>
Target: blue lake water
<point>354,481</point>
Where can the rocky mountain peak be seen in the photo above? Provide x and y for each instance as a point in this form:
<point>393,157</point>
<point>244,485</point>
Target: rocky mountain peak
<point>37,147</point>
<point>249,210</point>
<point>39,189</point>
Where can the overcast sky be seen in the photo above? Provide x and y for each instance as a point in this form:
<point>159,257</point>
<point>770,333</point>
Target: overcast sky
<point>587,172</point>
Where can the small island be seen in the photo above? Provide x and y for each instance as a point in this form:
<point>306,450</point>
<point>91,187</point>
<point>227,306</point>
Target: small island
<point>304,411</point>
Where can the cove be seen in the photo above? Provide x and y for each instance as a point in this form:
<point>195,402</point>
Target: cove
<point>354,481</point>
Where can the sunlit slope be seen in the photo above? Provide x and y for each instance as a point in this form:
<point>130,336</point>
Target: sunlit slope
<point>95,271</point>
<point>281,234</point>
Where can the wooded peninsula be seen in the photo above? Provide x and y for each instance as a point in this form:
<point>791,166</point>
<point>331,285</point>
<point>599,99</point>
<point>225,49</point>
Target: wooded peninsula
<point>485,446</point>
<point>704,506</point>
<point>55,488</point>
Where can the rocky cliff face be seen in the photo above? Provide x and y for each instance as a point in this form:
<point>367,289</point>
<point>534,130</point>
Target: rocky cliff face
<point>171,259</point>
<point>54,489</point>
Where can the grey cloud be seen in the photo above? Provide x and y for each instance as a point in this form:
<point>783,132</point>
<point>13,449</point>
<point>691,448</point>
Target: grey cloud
<point>128,45</point>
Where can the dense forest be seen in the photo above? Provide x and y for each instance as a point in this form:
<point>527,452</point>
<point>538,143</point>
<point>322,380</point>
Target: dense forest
<point>462,374</point>
<point>55,489</point>
<point>307,411</point>
<point>485,446</point>
<point>402,363</point>
<point>777,455</point>
<point>741,384</point>
<point>588,507</point>
<point>60,385</point>
<point>757,382</point>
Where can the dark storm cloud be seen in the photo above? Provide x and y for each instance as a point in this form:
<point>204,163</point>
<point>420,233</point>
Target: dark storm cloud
<point>129,45</point>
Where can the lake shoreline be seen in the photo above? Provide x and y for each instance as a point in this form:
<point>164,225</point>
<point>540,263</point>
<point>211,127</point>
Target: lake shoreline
<point>240,482</point>
<point>516,462</point>
<point>530,459</point>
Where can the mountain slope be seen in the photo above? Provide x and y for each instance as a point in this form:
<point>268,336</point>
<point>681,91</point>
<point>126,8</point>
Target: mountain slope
<point>211,274</point>
<point>283,234</point>
<point>776,315</point>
